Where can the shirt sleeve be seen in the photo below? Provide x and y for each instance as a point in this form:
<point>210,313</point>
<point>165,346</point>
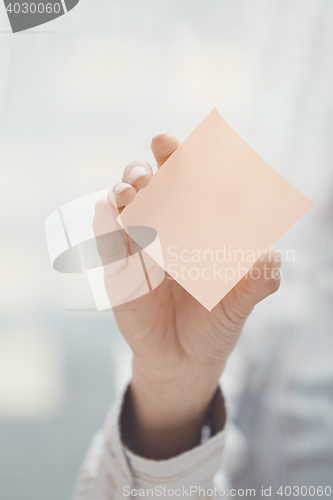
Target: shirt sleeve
<point>112,472</point>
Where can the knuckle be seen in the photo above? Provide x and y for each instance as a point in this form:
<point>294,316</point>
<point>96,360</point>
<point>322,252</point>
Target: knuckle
<point>275,285</point>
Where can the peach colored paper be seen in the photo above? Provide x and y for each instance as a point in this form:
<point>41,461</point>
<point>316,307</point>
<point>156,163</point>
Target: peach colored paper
<point>217,206</point>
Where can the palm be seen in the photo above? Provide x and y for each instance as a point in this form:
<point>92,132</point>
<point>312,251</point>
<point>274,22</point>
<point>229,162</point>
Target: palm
<point>178,329</point>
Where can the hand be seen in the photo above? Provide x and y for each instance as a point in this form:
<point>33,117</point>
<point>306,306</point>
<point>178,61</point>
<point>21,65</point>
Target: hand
<point>180,349</point>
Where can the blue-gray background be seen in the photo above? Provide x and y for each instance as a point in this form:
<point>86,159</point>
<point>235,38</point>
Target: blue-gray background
<point>80,98</point>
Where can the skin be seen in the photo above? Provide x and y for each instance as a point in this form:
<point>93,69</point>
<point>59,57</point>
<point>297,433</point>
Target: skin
<point>179,348</point>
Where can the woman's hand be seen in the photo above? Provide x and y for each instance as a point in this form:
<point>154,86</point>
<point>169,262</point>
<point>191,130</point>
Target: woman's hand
<point>180,349</point>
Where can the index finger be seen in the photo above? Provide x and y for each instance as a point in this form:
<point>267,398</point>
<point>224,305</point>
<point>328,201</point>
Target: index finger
<point>163,145</point>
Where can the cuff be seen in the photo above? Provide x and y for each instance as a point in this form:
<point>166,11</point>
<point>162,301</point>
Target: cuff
<point>111,471</point>
<point>195,467</point>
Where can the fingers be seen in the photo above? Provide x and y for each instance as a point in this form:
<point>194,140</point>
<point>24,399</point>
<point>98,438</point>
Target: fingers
<point>136,176</point>
<point>110,238</point>
<point>260,282</point>
<point>105,218</point>
<point>125,277</point>
<point>121,195</point>
<point>163,145</point>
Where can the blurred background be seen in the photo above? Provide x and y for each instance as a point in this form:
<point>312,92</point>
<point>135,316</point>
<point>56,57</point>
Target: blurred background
<point>80,98</point>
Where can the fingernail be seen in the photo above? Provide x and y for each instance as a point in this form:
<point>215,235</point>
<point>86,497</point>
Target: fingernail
<point>163,132</point>
<point>121,187</point>
<point>276,273</point>
<point>137,172</point>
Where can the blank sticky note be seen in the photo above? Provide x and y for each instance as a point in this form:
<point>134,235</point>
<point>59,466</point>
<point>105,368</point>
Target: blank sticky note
<point>217,207</point>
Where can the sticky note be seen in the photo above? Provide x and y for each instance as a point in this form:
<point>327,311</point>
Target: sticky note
<point>217,206</point>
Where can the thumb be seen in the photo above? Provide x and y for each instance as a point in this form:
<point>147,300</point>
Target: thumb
<point>262,280</point>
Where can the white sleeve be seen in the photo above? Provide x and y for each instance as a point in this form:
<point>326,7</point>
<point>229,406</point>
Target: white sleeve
<point>112,472</point>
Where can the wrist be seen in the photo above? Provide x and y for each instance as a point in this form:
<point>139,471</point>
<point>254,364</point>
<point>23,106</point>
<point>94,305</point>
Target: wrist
<point>173,395</point>
<point>163,417</point>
